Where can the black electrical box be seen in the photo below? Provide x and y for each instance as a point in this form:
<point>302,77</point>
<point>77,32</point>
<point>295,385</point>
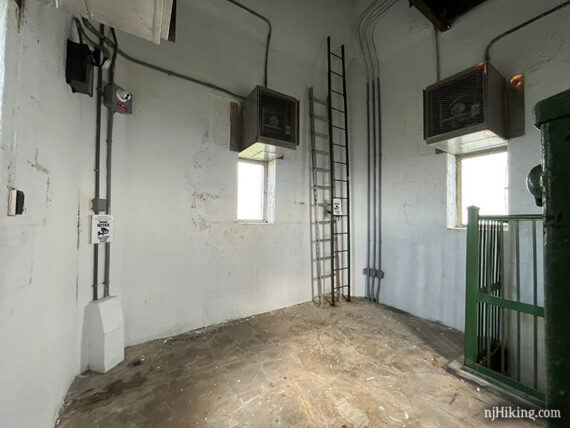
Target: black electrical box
<point>79,68</point>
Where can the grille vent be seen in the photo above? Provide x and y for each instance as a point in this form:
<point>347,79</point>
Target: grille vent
<point>457,104</point>
<point>277,117</point>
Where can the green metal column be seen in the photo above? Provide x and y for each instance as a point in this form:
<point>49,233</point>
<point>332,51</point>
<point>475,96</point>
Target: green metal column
<point>552,117</point>
<point>472,286</point>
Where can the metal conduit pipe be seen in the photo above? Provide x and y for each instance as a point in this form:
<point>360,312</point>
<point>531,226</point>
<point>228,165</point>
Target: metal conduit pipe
<point>375,189</point>
<point>263,18</point>
<point>366,24</point>
<point>369,188</point>
<point>108,171</point>
<point>379,195</point>
<point>171,73</point>
<point>97,169</point>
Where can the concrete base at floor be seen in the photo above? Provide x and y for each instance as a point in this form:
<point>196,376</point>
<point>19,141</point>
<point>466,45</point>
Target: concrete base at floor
<point>106,333</point>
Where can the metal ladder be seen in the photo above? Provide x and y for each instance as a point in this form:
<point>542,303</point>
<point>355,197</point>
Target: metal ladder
<point>331,184</point>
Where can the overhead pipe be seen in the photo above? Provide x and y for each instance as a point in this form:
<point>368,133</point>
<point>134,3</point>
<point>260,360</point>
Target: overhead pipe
<point>524,24</point>
<point>270,29</point>
<point>166,71</point>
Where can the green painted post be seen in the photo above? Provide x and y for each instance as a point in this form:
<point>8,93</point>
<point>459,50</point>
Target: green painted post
<point>553,119</point>
<point>472,285</point>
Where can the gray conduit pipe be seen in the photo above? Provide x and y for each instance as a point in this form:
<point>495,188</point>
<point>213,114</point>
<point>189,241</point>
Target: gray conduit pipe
<point>375,188</point>
<point>366,24</point>
<point>369,188</point>
<point>97,165</point>
<point>109,155</point>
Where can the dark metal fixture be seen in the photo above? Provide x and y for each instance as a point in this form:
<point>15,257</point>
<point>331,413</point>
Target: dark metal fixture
<point>442,13</point>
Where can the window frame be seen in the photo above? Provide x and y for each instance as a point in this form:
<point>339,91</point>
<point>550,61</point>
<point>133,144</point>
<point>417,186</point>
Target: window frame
<point>267,218</point>
<point>459,176</point>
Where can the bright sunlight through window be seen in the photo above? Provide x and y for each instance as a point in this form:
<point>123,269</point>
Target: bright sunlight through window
<point>251,191</point>
<point>484,183</point>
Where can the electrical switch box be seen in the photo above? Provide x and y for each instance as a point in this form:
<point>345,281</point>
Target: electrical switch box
<point>118,99</point>
<point>79,68</point>
<point>15,202</point>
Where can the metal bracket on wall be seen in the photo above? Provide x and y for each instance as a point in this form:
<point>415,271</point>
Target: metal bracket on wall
<point>373,273</point>
<point>99,205</point>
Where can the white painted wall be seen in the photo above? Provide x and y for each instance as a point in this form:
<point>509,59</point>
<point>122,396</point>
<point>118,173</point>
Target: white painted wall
<point>42,134</point>
<point>424,261</point>
<point>180,259</point>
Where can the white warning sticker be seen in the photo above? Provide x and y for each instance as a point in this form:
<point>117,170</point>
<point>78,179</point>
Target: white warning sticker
<point>101,229</point>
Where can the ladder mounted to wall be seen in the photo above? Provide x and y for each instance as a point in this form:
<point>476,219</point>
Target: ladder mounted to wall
<point>331,185</point>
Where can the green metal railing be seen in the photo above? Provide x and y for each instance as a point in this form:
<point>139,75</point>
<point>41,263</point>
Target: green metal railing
<point>494,329</point>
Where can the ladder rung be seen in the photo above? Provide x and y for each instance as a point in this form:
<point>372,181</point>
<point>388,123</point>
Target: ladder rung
<point>336,92</point>
<point>321,152</point>
<point>319,186</point>
<point>339,127</point>
<point>342,215</point>
<point>342,286</point>
<point>323,258</point>
<point>340,233</point>
<point>338,179</point>
<point>323,240</point>
<point>333,108</point>
<point>340,251</point>
<point>316,100</point>
<point>325,222</point>
<point>339,197</point>
<point>339,145</point>
<point>327,275</point>
<point>341,163</point>
<point>333,54</point>
<point>321,169</point>
<point>338,74</point>
<point>316,116</point>
<point>320,134</point>
<point>344,268</point>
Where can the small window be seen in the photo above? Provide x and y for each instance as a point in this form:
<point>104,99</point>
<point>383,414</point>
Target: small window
<point>255,191</point>
<point>482,181</point>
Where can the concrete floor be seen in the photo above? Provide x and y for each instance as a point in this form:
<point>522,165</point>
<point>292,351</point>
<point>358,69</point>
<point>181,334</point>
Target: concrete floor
<point>356,364</point>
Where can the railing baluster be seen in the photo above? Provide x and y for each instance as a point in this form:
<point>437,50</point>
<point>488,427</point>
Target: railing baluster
<point>502,294</point>
<point>518,285</point>
<point>472,287</point>
<point>488,301</point>
<point>535,302</point>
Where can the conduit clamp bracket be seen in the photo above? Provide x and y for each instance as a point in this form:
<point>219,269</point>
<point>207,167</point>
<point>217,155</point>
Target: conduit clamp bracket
<point>373,273</point>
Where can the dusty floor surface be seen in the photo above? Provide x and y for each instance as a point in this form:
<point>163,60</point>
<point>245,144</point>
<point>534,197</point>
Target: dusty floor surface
<point>356,364</point>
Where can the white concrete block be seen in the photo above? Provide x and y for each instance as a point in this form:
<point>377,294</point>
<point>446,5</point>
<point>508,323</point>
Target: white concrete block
<point>106,332</point>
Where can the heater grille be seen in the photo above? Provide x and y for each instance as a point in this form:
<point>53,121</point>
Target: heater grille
<point>277,116</point>
<point>458,104</point>
<point>270,125</point>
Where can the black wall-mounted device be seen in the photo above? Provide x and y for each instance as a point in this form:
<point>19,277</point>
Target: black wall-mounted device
<point>79,68</point>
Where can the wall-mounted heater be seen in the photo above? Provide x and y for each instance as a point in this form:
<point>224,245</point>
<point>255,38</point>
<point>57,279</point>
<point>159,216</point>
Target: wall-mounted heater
<point>270,125</point>
<point>473,110</point>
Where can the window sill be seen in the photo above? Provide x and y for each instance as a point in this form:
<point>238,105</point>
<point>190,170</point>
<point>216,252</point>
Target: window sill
<point>456,227</point>
<point>253,222</point>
